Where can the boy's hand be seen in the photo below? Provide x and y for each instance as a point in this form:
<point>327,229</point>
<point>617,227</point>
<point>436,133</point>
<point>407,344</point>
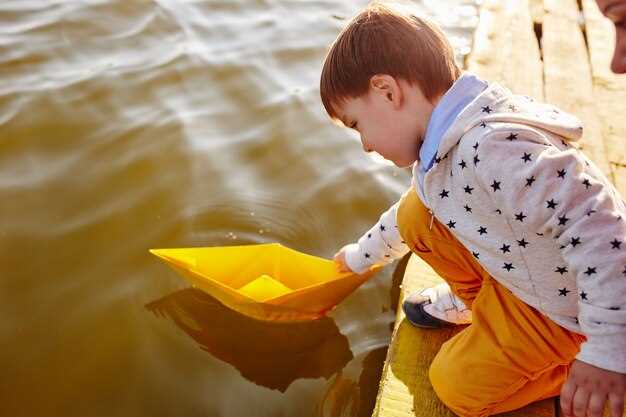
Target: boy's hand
<point>340,261</point>
<point>587,389</point>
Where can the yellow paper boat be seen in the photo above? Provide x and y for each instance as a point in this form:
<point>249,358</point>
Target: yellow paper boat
<point>265,281</point>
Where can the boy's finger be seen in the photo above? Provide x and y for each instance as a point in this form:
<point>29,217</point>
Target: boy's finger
<point>596,404</point>
<point>616,403</point>
<point>580,402</point>
<point>567,393</point>
<point>341,265</point>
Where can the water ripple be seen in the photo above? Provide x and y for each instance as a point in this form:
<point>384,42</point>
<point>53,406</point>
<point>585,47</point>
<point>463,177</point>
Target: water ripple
<point>128,125</point>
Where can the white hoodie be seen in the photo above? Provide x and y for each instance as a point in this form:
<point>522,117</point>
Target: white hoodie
<point>544,221</point>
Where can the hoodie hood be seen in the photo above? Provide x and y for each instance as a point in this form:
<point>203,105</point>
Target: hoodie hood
<point>498,104</point>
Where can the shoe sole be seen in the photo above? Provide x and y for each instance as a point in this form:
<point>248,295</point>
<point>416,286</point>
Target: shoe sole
<point>416,315</point>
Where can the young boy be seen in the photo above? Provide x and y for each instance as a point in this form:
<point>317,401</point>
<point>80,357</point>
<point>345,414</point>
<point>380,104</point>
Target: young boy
<point>527,232</point>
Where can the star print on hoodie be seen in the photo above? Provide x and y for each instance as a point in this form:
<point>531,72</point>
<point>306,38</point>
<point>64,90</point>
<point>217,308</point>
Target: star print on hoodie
<point>543,220</point>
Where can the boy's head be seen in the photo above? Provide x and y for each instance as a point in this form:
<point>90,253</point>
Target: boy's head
<point>385,71</point>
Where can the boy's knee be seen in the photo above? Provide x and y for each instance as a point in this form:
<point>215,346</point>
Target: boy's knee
<point>439,376</point>
<point>447,382</point>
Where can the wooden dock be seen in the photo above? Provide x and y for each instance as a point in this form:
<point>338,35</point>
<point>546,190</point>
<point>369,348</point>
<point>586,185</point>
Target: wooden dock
<point>558,51</point>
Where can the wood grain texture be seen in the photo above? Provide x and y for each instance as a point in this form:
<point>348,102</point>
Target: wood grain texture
<point>567,75</point>
<point>505,48</point>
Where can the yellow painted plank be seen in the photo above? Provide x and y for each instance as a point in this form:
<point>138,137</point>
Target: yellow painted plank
<point>609,89</point>
<point>505,48</point>
<point>567,74</point>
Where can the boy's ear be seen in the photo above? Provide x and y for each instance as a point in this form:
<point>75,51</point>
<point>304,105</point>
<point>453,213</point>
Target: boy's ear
<point>387,88</point>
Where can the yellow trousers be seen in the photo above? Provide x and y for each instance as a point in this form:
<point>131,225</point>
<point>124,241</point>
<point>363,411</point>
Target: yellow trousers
<point>511,355</point>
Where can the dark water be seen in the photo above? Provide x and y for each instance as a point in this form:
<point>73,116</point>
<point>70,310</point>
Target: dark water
<point>129,125</point>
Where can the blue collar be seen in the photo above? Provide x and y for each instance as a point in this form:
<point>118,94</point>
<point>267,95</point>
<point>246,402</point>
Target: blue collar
<point>464,90</point>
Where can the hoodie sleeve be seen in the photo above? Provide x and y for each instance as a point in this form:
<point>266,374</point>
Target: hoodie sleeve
<point>381,245</point>
<point>557,192</point>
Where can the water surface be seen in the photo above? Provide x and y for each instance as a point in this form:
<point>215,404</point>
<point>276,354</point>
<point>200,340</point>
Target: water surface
<point>129,125</point>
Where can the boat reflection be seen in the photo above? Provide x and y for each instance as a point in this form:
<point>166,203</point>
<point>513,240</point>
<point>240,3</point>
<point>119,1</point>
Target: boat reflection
<point>270,354</point>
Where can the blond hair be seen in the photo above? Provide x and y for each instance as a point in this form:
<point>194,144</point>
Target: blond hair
<point>386,39</point>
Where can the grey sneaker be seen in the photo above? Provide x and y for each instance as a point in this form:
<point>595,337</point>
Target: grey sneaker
<point>436,307</point>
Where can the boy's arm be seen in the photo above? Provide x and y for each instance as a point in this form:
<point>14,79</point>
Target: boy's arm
<point>380,245</point>
<point>558,194</point>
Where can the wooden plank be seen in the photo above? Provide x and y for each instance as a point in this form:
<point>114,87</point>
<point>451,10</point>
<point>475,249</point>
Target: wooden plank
<point>609,89</point>
<point>505,48</point>
<point>567,75</point>
<point>405,390</point>
<point>537,11</point>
